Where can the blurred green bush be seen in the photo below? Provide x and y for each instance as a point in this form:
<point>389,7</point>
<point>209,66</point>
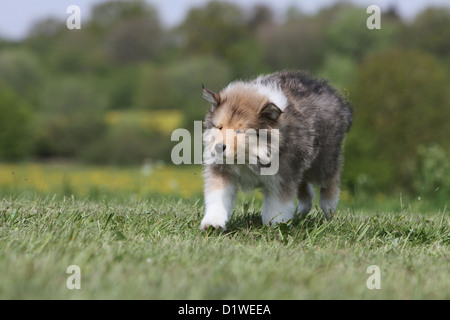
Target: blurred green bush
<point>400,104</point>
<point>432,173</point>
<point>16,127</point>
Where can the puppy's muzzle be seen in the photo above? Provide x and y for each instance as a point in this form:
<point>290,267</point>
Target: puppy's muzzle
<point>220,147</point>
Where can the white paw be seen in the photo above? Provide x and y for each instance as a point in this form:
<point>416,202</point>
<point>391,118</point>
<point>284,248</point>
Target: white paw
<point>275,211</point>
<point>215,220</point>
<point>279,218</point>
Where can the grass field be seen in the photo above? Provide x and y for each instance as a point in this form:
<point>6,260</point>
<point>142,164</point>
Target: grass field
<point>142,246</point>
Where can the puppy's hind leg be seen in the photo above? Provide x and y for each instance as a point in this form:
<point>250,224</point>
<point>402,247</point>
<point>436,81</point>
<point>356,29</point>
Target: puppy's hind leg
<point>305,196</point>
<point>329,197</point>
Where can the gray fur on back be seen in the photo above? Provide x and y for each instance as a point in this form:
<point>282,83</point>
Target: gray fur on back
<point>312,126</point>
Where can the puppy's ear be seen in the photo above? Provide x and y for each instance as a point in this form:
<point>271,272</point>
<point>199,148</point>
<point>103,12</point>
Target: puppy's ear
<point>211,97</point>
<point>270,112</point>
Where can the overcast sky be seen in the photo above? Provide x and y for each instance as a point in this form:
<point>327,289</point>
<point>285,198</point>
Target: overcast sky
<point>18,16</point>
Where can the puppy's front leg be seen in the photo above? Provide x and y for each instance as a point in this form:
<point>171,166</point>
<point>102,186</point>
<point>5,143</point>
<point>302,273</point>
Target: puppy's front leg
<point>277,208</point>
<point>220,194</point>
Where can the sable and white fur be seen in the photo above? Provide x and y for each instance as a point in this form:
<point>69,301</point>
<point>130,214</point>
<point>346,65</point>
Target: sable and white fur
<point>311,118</point>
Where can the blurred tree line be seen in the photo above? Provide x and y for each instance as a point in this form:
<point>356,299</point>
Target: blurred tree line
<point>113,91</point>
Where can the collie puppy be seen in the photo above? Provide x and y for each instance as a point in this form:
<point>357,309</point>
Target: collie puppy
<point>281,133</point>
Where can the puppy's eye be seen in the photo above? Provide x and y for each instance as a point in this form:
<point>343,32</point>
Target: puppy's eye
<point>216,126</point>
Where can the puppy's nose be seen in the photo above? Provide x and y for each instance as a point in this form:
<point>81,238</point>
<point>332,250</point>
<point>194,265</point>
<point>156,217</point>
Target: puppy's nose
<point>220,147</point>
